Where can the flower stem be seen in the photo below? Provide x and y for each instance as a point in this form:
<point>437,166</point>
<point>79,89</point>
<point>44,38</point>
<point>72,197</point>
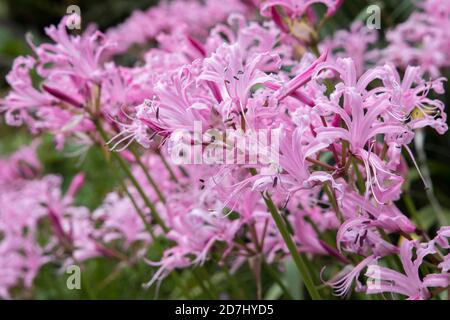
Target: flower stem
<point>299,259</point>
<point>320,163</point>
<point>167,165</point>
<point>133,180</point>
<point>332,197</point>
<point>147,225</point>
<point>148,176</point>
<point>135,183</point>
<point>360,181</point>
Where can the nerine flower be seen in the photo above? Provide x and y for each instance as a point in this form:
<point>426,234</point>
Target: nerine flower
<point>120,221</point>
<point>340,123</point>
<point>410,101</point>
<point>80,57</point>
<point>409,283</point>
<point>442,239</point>
<point>366,114</point>
<point>24,100</point>
<point>235,75</point>
<point>422,40</point>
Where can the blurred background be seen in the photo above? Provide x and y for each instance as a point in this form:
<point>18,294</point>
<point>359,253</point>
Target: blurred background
<point>17,17</point>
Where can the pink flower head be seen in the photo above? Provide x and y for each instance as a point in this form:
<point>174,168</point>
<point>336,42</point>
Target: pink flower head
<point>120,221</point>
<point>235,75</point>
<point>382,279</point>
<point>24,101</point>
<point>442,239</point>
<point>410,101</point>
<point>78,56</point>
<point>422,40</point>
<point>366,114</point>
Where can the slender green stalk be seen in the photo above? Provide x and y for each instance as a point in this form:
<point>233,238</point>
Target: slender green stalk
<point>169,169</point>
<point>147,201</point>
<point>332,197</point>
<point>123,165</point>
<point>136,184</point>
<point>147,225</point>
<point>148,176</point>
<point>299,259</point>
<point>360,181</point>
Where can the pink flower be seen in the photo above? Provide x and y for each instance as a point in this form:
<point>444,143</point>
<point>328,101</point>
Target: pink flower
<point>386,216</point>
<point>342,283</point>
<point>24,100</point>
<point>382,279</point>
<point>120,221</point>
<point>295,148</point>
<point>358,235</point>
<point>80,57</point>
<point>410,101</point>
<point>441,239</point>
<point>198,16</point>
<point>362,112</point>
<point>422,40</point>
<point>235,75</point>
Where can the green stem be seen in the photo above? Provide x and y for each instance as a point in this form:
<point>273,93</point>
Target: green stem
<point>133,180</point>
<point>148,176</point>
<point>360,181</point>
<point>299,259</point>
<point>135,183</point>
<point>124,187</point>
<point>331,196</point>
<point>169,169</point>
<point>147,225</point>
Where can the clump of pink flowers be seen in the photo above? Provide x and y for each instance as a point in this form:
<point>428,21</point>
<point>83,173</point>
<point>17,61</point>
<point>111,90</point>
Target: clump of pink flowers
<point>323,192</point>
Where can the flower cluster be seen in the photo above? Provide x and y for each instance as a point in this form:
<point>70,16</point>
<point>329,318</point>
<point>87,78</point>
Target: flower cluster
<point>422,39</point>
<point>322,190</point>
<point>41,224</point>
